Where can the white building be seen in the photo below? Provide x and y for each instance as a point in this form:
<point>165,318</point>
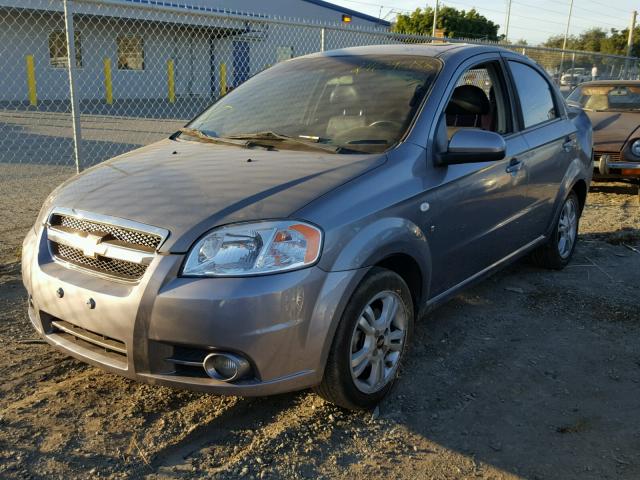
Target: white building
<point>141,49</point>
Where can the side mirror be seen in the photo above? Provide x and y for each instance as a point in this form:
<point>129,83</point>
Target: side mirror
<point>470,145</point>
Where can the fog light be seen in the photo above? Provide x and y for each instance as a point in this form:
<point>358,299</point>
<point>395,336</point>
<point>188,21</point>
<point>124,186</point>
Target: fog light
<point>225,366</point>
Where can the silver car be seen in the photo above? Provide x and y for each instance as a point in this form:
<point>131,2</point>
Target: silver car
<point>291,234</point>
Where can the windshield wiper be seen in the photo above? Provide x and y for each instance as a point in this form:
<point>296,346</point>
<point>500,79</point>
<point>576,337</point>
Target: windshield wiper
<point>307,141</point>
<point>200,135</point>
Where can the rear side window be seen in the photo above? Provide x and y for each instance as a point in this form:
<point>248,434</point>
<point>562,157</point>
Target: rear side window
<point>535,95</point>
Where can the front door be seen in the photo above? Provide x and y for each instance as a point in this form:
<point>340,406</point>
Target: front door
<point>478,210</point>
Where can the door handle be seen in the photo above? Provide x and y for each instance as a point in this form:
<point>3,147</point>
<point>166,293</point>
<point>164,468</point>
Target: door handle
<point>569,144</point>
<point>514,166</point>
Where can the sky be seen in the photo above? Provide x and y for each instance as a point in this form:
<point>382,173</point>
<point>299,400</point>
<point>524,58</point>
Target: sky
<point>532,20</point>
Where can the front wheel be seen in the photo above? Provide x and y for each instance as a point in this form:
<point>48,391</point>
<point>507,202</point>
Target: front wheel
<point>557,252</point>
<point>369,343</point>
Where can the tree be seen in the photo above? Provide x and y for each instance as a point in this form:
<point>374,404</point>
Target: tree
<point>455,23</point>
<point>597,40</point>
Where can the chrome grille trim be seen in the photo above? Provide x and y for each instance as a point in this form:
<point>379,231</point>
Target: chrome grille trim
<point>115,248</point>
<point>100,222</point>
<point>83,241</point>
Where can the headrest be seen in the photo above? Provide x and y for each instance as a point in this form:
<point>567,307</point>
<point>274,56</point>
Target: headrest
<point>468,100</point>
<point>344,95</point>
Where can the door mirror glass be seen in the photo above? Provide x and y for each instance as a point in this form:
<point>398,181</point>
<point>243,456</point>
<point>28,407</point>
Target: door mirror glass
<point>472,145</point>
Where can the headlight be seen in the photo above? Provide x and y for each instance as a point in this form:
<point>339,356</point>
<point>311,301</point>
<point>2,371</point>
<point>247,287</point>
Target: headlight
<point>635,148</point>
<point>253,249</point>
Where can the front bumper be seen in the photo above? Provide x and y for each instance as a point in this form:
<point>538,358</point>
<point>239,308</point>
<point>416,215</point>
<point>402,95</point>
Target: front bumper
<point>282,324</point>
<point>605,167</point>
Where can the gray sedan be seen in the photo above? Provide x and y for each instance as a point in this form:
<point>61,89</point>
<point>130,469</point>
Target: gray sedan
<point>290,235</point>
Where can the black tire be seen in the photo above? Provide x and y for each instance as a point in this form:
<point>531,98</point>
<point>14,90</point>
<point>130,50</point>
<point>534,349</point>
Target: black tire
<point>338,385</point>
<point>549,255</point>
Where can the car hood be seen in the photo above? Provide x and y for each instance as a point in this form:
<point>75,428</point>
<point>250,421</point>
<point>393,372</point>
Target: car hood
<point>611,130</point>
<point>190,187</point>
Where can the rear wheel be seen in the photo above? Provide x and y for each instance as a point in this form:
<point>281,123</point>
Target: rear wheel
<point>369,343</point>
<point>557,252</point>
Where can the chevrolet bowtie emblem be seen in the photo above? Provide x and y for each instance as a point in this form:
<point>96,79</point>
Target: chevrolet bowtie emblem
<point>91,242</point>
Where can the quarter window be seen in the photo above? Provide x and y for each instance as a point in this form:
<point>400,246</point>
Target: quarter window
<point>58,49</point>
<point>130,52</point>
<point>535,95</point>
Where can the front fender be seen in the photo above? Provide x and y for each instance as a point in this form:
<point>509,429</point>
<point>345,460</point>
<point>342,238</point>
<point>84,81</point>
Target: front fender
<point>381,239</point>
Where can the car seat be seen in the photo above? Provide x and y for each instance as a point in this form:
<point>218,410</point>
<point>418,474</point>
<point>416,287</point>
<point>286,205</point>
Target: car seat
<point>347,112</point>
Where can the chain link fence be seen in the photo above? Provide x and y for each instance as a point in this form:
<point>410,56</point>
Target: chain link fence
<point>140,70</point>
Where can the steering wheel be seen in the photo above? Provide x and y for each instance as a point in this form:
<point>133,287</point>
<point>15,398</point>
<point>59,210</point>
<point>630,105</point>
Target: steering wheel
<point>386,123</point>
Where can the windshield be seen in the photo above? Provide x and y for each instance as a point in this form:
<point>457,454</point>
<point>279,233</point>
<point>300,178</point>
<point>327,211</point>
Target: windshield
<point>363,103</point>
<point>607,98</point>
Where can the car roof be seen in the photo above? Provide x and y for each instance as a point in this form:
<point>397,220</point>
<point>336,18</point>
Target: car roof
<point>439,50</point>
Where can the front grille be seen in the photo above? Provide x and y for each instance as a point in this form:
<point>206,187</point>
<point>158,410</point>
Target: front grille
<point>87,338</point>
<point>128,236</point>
<point>613,156</point>
<point>95,345</point>
<point>108,266</point>
<point>69,234</point>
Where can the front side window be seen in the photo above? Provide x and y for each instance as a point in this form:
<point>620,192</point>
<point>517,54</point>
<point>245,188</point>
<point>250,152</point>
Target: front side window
<point>534,92</point>
<point>607,98</point>
<point>58,49</point>
<point>360,102</point>
<point>479,100</point>
<point>130,52</point>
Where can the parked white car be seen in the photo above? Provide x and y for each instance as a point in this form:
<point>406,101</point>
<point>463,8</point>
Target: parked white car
<point>574,76</point>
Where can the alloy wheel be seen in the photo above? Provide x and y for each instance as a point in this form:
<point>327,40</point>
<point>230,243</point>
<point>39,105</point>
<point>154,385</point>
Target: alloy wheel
<point>567,228</point>
<point>377,342</point>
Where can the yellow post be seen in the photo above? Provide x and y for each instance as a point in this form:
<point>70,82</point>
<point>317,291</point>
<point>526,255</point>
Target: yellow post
<point>223,79</point>
<point>108,86</point>
<point>31,81</point>
<point>171,81</point>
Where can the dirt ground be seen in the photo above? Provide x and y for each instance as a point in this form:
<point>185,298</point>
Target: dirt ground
<point>529,374</point>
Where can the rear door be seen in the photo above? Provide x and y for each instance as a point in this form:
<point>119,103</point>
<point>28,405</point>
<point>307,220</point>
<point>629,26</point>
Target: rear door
<point>550,137</point>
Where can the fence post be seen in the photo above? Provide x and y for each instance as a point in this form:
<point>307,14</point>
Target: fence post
<point>223,79</point>
<point>323,32</point>
<point>31,81</point>
<point>71,68</point>
<point>171,84</point>
<point>108,85</point>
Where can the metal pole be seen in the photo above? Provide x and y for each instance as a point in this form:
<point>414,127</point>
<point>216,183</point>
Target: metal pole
<point>322,36</point>
<point>71,68</point>
<point>435,19</point>
<point>506,29</point>
<point>632,27</point>
<point>566,35</point>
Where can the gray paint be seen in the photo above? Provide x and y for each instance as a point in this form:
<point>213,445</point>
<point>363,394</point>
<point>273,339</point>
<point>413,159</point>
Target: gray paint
<point>479,217</point>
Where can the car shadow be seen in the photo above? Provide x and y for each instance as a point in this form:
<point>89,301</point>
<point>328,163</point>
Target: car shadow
<point>617,188</point>
<point>523,375</point>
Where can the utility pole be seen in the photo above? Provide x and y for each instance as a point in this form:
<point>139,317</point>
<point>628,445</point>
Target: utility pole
<point>632,27</point>
<point>435,19</point>
<point>566,32</point>
<point>506,29</point>
<point>566,35</point>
